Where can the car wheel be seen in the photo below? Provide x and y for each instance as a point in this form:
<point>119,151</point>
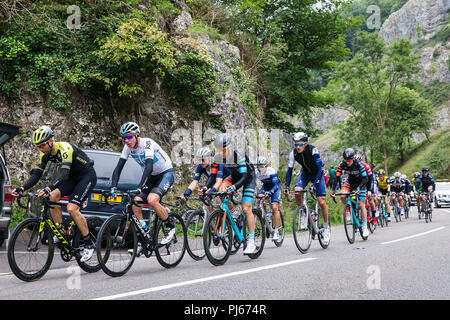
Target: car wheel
<point>436,204</point>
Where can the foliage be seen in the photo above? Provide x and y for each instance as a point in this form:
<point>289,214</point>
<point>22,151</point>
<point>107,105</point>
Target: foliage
<point>384,113</point>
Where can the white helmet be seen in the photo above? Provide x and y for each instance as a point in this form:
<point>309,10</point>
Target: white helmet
<point>397,174</point>
<point>262,161</point>
<point>404,176</point>
<point>300,136</point>
<point>129,128</point>
<point>204,153</point>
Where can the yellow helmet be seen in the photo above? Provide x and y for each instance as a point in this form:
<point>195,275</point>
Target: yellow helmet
<point>42,134</point>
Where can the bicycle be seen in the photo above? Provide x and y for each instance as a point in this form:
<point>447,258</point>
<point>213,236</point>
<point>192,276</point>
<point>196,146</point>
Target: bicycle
<point>305,223</point>
<point>268,217</point>
<point>123,231</point>
<point>426,209</point>
<point>372,221</point>
<point>352,216</point>
<point>396,208</point>
<point>383,216</point>
<point>222,232</point>
<point>195,225</point>
<point>32,242</point>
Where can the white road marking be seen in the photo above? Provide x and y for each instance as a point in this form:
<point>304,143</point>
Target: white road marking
<point>185,283</point>
<point>414,236</point>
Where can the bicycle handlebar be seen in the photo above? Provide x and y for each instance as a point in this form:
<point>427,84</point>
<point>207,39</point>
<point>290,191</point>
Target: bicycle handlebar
<point>127,194</point>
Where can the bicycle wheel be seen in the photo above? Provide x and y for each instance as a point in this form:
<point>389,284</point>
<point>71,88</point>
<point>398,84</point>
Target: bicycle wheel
<point>349,224</point>
<point>170,255</point>
<point>302,229</point>
<point>217,238</point>
<point>115,237</point>
<point>381,216</point>
<point>370,221</point>
<point>194,227</point>
<point>28,258</point>
<point>260,233</point>
<point>94,225</point>
<point>280,240</point>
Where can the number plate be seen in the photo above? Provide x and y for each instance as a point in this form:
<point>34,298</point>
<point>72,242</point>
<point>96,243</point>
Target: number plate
<point>97,197</point>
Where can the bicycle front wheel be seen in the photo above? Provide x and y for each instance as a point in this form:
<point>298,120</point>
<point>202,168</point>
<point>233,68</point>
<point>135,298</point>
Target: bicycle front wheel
<point>29,258</point>
<point>170,255</point>
<point>349,224</point>
<point>194,225</point>
<point>217,238</point>
<point>116,238</point>
<point>260,233</point>
<point>302,229</point>
<point>94,225</point>
<point>280,240</point>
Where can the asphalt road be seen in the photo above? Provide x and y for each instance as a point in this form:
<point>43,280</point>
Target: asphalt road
<point>407,260</point>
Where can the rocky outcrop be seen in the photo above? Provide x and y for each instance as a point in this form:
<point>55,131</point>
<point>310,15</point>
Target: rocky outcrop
<point>417,19</point>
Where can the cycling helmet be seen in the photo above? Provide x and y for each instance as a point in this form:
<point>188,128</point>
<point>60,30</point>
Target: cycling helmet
<point>404,176</point>
<point>42,134</point>
<point>358,157</point>
<point>262,161</point>
<point>382,172</point>
<point>397,174</point>
<point>349,154</point>
<point>129,128</point>
<point>222,141</point>
<point>424,169</point>
<point>300,136</point>
<point>416,174</point>
<point>203,153</point>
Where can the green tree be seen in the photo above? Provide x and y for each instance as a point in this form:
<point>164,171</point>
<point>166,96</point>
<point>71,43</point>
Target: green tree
<point>368,83</point>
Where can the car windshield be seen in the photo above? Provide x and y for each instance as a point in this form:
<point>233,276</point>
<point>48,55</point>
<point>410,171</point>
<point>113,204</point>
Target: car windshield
<point>105,163</point>
<point>443,186</point>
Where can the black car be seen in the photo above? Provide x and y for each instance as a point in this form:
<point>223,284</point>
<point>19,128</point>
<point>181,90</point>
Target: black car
<point>104,164</point>
<point>7,132</point>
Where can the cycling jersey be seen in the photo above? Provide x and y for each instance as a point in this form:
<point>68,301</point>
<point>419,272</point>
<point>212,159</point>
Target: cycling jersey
<point>357,178</point>
<point>73,161</point>
<point>424,182</point>
<point>148,149</point>
<point>397,185</point>
<point>310,161</point>
<point>270,179</point>
<point>242,173</point>
<point>382,184</point>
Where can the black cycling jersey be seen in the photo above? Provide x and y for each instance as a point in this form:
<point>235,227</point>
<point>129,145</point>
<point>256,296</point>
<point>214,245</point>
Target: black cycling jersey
<point>74,164</point>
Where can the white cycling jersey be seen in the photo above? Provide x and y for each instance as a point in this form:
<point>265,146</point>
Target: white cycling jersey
<point>149,149</point>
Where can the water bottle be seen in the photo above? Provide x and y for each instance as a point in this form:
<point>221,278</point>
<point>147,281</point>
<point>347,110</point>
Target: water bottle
<point>144,226</point>
<point>313,216</point>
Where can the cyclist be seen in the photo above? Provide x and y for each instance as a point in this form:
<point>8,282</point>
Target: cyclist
<point>408,188</point>
<point>271,188</point>
<point>215,173</point>
<point>384,188</point>
<point>242,175</point>
<point>312,171</point>
<point>398,188</point>
<point>357,178</point>
<point>157,177</point>
<point>426,184</point>
<point>370,187</point>
<point>76,179</point>
<point>415,188</point>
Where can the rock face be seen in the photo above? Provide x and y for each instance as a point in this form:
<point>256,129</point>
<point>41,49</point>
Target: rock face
<point>417,19</point>
<point>88,124</point>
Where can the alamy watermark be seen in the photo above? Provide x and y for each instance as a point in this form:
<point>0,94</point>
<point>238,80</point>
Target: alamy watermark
<point>373,282</point>
<point>374,20</point>
<point>254,142</point>
<point>74,20</point>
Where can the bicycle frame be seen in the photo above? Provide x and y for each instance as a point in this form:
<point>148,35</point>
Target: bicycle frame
<point>310,195</point>
<point>238,233</point>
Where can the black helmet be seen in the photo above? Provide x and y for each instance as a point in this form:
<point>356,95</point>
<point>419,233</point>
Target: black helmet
<point>425,169</point>
<point>222,141</point>
<point>349,154</point>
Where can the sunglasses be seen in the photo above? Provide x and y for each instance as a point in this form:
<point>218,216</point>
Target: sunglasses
<point>298,144</point>
<point>127,138</point>
<point>348,160</point>
<point>260,167</point>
